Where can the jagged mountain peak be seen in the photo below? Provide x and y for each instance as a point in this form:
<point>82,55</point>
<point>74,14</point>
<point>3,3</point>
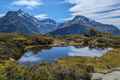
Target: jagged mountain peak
<point>15,13</point>
<point>79,17</point>
<point>18,14</point>
<point>20,11</point>
<point>82,24</point>
<point>82,19</point>
<point>11,13</point>
<point>48,20</point>
<point>20,21</point>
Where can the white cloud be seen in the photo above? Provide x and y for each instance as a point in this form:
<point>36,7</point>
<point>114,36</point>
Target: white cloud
<point>68,18</point>
<point>108,21</point>
<point>27,3</point>
<point>41,16</point>
<point>89,8</point>
<point>2,14</point>
<point>84,6</point>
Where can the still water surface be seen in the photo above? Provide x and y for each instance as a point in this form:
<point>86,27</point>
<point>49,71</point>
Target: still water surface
<point>55,53</point>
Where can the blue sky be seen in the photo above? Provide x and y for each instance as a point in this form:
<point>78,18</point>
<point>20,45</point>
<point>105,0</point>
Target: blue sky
<point>105,11</point>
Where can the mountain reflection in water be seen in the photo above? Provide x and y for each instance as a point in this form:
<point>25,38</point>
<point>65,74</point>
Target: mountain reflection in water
<point>61,52</point>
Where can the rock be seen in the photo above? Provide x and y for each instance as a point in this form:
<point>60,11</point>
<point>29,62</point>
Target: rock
<point>114,75</point>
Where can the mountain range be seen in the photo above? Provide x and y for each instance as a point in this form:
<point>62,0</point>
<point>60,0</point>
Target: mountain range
<point>82,25</point>
<point>21,22</point>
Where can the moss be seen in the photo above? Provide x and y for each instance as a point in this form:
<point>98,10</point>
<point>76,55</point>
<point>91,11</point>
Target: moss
<point>13,71</point>
<point>14,45</point>
<point>108,61</point>
<point>69,68</point>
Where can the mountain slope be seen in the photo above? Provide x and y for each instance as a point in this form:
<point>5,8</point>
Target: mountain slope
<point>18,21</point>
<point>47,25</point>
<point>21,22</point>
<point>81,25</point>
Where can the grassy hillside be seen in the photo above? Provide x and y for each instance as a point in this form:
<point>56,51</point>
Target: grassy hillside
<point>13,45</point>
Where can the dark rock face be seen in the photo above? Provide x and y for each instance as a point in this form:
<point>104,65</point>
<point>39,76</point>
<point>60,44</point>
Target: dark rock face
<point>47,25</point>
<point>18,21</point>
<point>21,22</point>
<point>81,25</point>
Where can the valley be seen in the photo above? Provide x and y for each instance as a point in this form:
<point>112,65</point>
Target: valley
<point>77,49</point>
<point>14,45</point>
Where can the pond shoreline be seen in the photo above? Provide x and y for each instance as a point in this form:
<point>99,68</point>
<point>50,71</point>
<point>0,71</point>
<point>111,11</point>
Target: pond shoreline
<point>54,53</point>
